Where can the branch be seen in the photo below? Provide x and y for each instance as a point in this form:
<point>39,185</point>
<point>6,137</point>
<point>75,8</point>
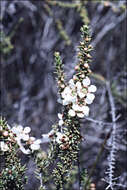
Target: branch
<point>112,158</point>
<point>108,28</point>
<point>98,122</point>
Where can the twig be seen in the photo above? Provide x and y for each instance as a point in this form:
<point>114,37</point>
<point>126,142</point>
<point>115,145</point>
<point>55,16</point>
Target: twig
<point>97,158</point>
<point>79,172</point>
<point>98,122</point>
<point>113,148</point>
<point>108,28</point>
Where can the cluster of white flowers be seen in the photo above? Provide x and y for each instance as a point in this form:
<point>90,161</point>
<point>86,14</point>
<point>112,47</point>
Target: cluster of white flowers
<point>60,116</point>
<point>21,136</point>
<point>3,146</point>
<point>62,140</point>
<point>61,137</point>
<point>78,95</point>
<point>23,139</point>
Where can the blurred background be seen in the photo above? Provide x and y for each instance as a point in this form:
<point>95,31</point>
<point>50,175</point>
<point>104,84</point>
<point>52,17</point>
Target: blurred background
<point>31,31</point>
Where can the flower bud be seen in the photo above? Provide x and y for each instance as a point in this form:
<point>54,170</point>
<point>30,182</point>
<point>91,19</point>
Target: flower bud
<point>79,54</point>
<point>82,43</point>
<point>5,133</point>
<point>82,76</point>
<point>86,65</point>
<point>88,55</point>
<point>57,53</point>
<point>62,86</point>
<point>75,77</point>
<point>77,67</point>
<point>89,71</point>
<point>85,49</point>
<point>90,46</point>
<point>87,39</point>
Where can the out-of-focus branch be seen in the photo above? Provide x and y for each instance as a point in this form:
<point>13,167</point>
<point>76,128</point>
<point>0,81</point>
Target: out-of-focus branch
<point>98,122</point>
<point>97,158</point>
<point>112,156</point>
<point>108,28</point>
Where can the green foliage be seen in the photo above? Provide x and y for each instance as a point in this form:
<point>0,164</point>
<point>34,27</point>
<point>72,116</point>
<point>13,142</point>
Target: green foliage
<point>67,153</point>
<point>60,72</point>
<point>85,179</point>
<point>12,173</point>
<point>62,32</point>
<point>5,43</point>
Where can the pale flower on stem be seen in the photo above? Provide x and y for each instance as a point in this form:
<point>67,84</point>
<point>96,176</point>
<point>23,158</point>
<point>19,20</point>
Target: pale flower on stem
<point>92,88</point>
<point>60,136</point>
<point>86,81</point>
<point>71,113</point>
<point>35,145</point>
<point>71,84</point>
<point>3,146</point>
<point>89,99</point>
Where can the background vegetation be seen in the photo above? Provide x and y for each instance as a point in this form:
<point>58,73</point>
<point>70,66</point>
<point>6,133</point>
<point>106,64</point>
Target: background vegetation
<point>31,31</point>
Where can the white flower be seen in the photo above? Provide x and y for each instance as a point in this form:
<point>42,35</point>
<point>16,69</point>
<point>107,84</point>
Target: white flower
<point>75,107</point>
<point>27,130</point>
<point>71,112</point>
<point>88,101</point>
<point>68,99</point>
<point>90,97</point>
<point>61,122</point>
<point>85,110</point>
<point>5,133</point>
<point>25,151</point>
<point>71,83</point>
<point>59,100</point>
<point>21,133</point>
<point>24,137</point>
<point>31,140</point>
<point>60,116</point>
<point>92,88</point>
<point>86,81</point>
<point>81,111</point>
<point>78,85</point>
<point>17,129</point>
<point>66,91</point>
<point>35,145</point>
<point>61,136</point>
<point>81,115</point>
<point>81,94</point>
<point>3,146</point>
<point>65,102</point>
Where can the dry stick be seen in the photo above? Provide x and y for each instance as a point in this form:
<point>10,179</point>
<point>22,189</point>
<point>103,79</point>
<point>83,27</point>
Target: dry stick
<point>97,158</point>
<point>107,136</point>
<point>113,149</point>
<point>98,122</point>
<point>79,172</point>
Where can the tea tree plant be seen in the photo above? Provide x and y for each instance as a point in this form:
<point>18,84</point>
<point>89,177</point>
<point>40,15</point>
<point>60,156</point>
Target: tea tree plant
<point>65,137</point>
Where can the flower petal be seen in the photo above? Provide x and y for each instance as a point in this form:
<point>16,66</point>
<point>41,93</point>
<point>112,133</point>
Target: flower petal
<point>71,112</point>
<point>80,115</point>
<point>92,88</point>
<point>27,130</point>
<point>86,81</point>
